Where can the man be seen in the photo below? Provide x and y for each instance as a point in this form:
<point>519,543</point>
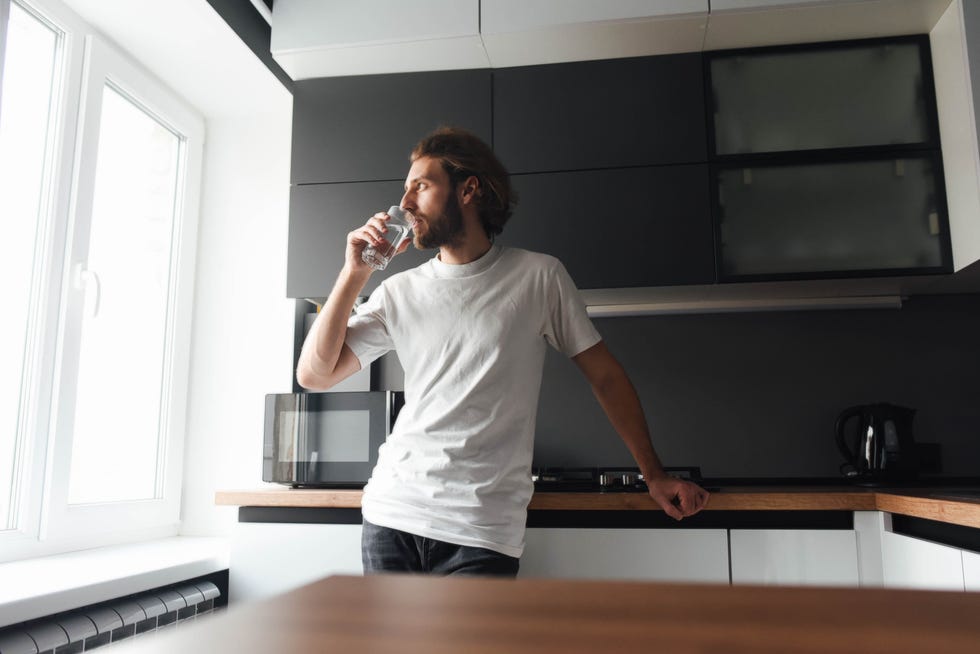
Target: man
<point>450,491</point>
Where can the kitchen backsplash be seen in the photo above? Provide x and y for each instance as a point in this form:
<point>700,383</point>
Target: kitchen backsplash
<point>757,394</point>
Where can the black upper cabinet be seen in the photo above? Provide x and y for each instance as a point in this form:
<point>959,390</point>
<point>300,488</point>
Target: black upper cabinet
<point>614,228</point>
<point>350,129</point>
<point>600,114</point>
<point>320,217</point>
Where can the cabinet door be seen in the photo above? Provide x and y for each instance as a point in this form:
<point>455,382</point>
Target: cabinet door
<point>618,228</point>
<point>363,128</point>
<point>682,555</point>
<point>827,219</point>
<point>320,217</point>
<point>820,97</point>
<point>268,559</point>
<point>909,562</point>
<point>794,556</point>
<point>600,114</point>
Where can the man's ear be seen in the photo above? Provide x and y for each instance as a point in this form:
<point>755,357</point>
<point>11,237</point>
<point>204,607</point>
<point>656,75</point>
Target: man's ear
<point>469,190</point>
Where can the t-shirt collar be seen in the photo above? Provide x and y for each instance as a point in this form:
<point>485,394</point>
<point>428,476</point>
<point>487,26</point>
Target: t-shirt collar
<point>449,270</point>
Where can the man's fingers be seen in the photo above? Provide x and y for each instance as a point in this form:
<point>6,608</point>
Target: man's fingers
<point>673,511</point>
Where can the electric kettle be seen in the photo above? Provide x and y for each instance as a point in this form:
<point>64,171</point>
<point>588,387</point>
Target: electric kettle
<point>883,447</point>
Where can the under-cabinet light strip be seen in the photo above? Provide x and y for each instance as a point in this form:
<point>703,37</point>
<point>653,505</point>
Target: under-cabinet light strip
<point>740,306</point>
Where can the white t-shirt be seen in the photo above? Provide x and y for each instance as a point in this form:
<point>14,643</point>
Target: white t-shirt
<point>471,338</point>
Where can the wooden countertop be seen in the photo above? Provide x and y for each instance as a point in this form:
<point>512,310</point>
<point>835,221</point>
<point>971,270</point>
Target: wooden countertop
<point>919,503</point>
<point>430,615</point>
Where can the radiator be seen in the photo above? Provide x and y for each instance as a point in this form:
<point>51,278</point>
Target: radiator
<point>87,628</point>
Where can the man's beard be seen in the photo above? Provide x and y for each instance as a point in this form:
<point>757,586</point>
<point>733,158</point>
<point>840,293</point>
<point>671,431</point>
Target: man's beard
<point>447,229</point>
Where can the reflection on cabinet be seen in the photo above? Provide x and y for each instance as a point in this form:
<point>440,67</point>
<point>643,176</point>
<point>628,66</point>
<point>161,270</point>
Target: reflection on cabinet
<point>363,128</point>
<point>836,96</point>
<point>320,217</point>
<point>680,555</point>
<point>909,562</point>
<point>848,216</point>
<point>620,227</point>
<point>600,114</point>
<point>267,559</point>
<point>792,556</point>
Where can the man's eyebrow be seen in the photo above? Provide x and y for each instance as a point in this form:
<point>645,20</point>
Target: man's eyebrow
<point>417,179</point>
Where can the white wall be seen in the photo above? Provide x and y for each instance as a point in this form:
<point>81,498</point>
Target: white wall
<point>243,323</point>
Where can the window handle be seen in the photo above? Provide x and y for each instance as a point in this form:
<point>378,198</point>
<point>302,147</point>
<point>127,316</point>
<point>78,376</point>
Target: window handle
<point>82,278</point>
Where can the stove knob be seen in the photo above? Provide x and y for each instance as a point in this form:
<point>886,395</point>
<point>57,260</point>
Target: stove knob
<point>629,478</point>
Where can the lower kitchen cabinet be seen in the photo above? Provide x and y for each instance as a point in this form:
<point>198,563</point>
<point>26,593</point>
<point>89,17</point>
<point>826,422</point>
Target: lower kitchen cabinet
<point>681,555</point>
<point>794,556</point>
<point>909,562</point>
<point>971,571</point>
<point>267,559</point>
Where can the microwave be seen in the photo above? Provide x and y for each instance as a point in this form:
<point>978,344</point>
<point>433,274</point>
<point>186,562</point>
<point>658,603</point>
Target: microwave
<point>326,440</point>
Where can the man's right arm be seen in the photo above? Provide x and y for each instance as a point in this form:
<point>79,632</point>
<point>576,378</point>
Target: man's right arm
<point>325,360</point>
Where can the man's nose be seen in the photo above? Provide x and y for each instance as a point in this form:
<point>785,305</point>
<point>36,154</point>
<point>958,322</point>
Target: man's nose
<point>408,201</point>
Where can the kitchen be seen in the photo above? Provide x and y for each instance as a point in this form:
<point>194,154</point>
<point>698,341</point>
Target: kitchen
<point>774,381</point>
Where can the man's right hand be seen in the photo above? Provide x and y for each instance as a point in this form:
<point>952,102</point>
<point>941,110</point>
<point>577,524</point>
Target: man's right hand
<point>371,233</point>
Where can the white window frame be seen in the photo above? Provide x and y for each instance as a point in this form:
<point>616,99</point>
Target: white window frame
<point>4,15</point>
<point>42,339</point>
<point>46,522</point>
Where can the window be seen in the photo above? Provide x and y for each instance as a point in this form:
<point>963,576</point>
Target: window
<point>99,171</point>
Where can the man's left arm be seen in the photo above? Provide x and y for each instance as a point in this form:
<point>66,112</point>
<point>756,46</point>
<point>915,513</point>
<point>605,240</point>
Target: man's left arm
<point>615,392</point>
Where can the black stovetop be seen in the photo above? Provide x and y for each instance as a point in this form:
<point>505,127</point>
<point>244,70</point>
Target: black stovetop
<point>600,480</point>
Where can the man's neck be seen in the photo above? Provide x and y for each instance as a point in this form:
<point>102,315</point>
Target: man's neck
<point>473,244</point>
<point>467,252</point>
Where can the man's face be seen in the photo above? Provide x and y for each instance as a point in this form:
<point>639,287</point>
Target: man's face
<point>431,197</point>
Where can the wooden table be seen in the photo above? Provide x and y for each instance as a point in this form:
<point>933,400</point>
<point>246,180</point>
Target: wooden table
<point>425,615</point>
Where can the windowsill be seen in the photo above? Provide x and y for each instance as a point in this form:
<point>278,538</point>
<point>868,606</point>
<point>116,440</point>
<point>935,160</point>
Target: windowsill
<point>37,587</point>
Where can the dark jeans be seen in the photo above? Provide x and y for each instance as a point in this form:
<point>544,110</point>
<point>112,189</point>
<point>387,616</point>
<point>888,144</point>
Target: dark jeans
<point>391,550</point>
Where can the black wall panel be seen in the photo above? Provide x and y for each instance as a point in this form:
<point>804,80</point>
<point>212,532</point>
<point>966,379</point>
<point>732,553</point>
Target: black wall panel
<point>320,217</point>
<point>599,114</point>
<point>352,129</point>
<point>621,227</point>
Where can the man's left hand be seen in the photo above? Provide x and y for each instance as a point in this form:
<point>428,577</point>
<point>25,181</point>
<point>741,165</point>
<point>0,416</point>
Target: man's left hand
<point>677,497</point>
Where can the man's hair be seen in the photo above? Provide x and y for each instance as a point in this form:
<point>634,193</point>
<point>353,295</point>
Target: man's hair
<point>463,155</point>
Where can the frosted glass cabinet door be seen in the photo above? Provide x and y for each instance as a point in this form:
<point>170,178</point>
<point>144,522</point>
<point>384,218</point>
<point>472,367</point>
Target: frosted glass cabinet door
<point>805,98</point>
<point>842,217</point>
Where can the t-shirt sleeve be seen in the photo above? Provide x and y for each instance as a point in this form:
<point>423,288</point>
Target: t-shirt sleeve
<point>568,327</point>
<point>367,329</point>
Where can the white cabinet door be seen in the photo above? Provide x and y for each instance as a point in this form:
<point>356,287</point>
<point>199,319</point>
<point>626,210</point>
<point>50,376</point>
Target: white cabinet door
<point>267,559</point>
<point>971,571</point>
<point>794,556</point>
<point>521,33</point>
<point>688,555</point>
<point>909,562</point>
<point>324,39</point>
<point>718,6</point>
